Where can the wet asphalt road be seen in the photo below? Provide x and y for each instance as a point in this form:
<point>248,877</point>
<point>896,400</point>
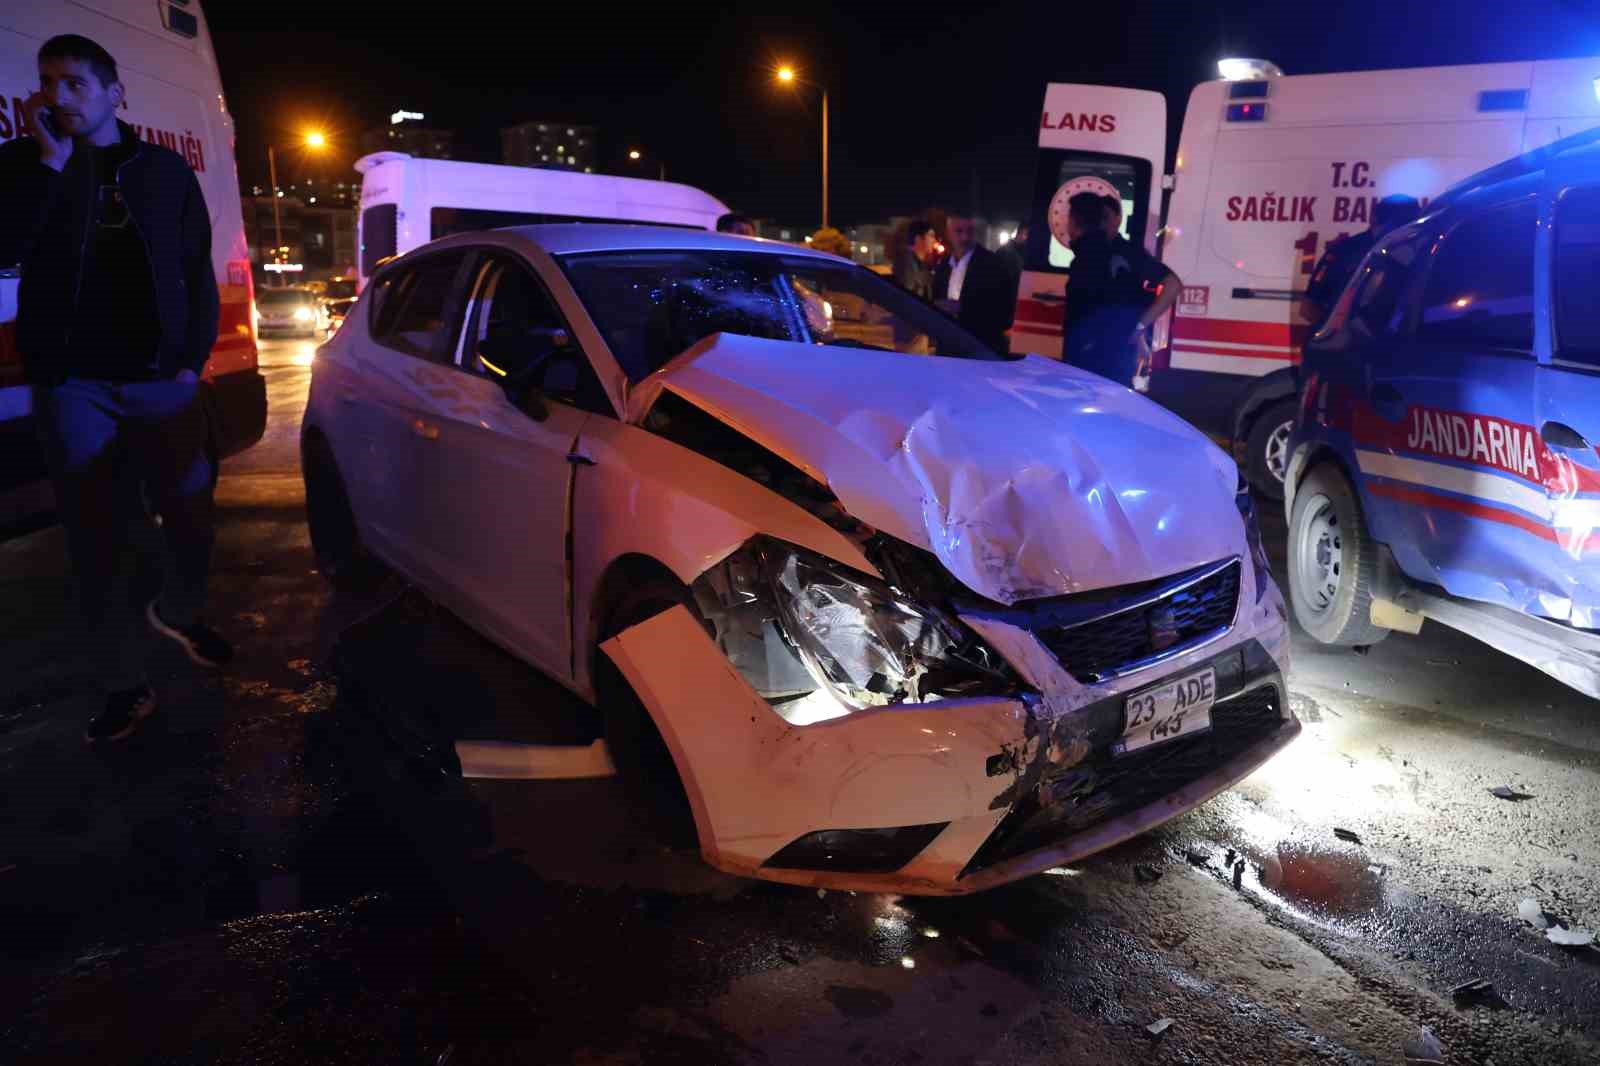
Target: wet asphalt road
<point>276,870</point>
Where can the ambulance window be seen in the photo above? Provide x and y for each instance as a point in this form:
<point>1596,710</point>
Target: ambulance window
<point>1577,277</point>
<point>1480,287</point>
<point>1063,174</point>
<point>378,235</point>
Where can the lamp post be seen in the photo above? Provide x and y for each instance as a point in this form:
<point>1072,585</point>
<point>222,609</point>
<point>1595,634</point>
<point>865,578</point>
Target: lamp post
<point>786,75</point>
<point>314,140</point>
<point>635,155</point>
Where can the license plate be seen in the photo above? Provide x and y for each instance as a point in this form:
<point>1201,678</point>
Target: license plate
<point>1169,711</point>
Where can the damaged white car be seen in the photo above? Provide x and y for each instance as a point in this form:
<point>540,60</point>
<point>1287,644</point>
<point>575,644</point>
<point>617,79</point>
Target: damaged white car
<point>879,608</point>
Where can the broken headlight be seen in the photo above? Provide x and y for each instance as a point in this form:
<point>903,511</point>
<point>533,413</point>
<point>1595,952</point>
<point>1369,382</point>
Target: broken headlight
<point>818,639</point>
<point>1252,535</point>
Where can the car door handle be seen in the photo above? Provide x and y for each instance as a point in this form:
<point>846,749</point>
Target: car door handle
<point>1389,403</point>
<point>1561,435</point>
<point>579,459</point>
<point>1048,297</point>
<point>425,430</point>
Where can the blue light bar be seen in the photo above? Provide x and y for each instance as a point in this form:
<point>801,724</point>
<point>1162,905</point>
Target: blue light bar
<point>1503,100</point>
<point>1248,90</point>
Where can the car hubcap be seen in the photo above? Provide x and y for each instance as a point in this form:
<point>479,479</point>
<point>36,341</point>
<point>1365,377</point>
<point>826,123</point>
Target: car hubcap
<point>1277,454</point>
<point>1319,549</point>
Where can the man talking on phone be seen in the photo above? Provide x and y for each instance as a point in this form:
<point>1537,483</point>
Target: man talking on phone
<point>116,315</point>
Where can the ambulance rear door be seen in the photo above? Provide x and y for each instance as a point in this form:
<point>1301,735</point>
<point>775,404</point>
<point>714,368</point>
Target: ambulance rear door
<point>1092,138</point>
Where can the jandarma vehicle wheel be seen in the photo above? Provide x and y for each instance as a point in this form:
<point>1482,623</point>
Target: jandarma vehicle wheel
<point>1332,561</point>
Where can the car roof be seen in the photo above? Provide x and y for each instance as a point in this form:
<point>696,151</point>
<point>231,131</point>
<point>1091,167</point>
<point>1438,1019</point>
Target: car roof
<point>568,238</point>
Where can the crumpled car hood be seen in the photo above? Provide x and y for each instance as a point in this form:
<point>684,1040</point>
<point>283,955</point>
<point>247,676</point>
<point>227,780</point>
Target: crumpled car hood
<point>1027,478</point>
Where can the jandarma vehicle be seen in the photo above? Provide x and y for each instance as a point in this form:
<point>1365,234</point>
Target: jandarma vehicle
<point>869,604</point>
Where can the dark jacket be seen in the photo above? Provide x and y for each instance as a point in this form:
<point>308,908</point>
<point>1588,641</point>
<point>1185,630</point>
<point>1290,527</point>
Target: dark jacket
<point>1335,269</point>
<point>44,226</point>
<point>988,297</point>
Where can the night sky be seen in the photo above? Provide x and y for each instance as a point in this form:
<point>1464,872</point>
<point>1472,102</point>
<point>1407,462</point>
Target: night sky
<point>931,105</point>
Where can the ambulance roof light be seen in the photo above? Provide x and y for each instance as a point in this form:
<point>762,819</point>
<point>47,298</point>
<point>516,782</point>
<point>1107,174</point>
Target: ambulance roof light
<point>1247,69</point>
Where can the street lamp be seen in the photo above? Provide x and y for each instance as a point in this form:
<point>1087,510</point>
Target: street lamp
<point>786,76</point>
<point>635,155</point>
<point>314,140</point>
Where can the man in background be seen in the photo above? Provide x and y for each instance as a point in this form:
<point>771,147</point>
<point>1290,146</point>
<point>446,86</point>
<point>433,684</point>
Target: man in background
<point>1339,262</point>
<point>736,224</point>
<point>116,316</point>
<point>913,262</point>
<point>1115,292</point>
<point>973,286</point>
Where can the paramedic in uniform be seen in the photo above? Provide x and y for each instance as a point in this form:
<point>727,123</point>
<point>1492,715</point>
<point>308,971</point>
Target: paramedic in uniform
<point>1338,264</point>
<point>1115,292</point>
<point>116,316</point>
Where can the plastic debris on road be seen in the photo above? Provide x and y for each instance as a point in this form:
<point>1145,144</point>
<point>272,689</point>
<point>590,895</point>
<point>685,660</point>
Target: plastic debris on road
<point>1569,938</point>
<point>1146,875</point>
<point>1506,792</point>
<point>1156,1028</point>
<point>1472,989</point>
<point>1346,835</point>
<point>1424,1047</point>
<point>1530,911</point>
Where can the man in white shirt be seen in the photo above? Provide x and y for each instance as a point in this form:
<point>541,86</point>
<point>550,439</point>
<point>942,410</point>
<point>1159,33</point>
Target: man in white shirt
<point>973,286</point>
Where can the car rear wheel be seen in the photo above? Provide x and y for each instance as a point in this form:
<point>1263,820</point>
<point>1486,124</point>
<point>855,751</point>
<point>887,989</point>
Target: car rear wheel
<point>649,775</point>
<point>1332,561</point>
<point>1268,449</point>
<point>335,537</point>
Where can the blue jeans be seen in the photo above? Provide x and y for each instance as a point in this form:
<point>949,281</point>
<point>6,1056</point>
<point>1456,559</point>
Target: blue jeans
<point>104,441</point>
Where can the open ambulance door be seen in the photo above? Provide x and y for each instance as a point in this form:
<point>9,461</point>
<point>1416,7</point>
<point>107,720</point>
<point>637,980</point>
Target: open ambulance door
<point>1092,138</point>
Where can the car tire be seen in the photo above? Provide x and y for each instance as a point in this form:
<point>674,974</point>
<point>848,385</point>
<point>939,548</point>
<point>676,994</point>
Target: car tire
<point>1267,451</point>
<point>1332,561</point>
<point>335,537</point>
<point>649,774</point>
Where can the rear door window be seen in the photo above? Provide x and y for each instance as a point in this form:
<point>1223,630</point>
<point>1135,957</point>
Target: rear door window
<point>1378,308</point>
<point>413,306</point>
<point>1479,291</point>
<point>1577,277</point>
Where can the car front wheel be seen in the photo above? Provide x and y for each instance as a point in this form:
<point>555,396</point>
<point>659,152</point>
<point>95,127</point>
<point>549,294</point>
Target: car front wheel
<point>1268,449</point>
<point>1332,561</point>
<point>335,537</point>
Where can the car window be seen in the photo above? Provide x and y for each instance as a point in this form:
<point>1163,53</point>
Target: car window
<point>1480,285</point>
<point>1378,309</point>
<point>511,301</point>
<point>412,303</point>
<point>652,305</point>
<point>1577,276</point>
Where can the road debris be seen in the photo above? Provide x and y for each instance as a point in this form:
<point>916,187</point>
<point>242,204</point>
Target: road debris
<point>1146,875</point>
<point>1506,792</point>
<point>1238,874</point>
<point>1569,938</point>
<point>1473,989</point>
<point>1156,1028</point>
<point>1424,1047</point>
<point>1228,861</point>
<point>1198,858</point>
<point>1346,835</point>
<point>1530,911</point>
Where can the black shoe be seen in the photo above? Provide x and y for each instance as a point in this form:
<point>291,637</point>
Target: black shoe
<point>122,715</point>
<point>200,643</point>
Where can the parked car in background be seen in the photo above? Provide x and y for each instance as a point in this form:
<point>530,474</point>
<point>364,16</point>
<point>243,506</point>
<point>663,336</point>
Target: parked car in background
<point>336,311</point>
<point>1444,464</point>
<point>866,618</point>
<point>290,312</point>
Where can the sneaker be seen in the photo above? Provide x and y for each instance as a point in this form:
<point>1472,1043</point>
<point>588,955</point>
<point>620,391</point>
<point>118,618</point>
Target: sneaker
<point>200,643</point>
<point>123,712</point>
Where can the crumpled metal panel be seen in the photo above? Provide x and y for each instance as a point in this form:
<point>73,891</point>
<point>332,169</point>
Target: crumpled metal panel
<point>1026,478</point>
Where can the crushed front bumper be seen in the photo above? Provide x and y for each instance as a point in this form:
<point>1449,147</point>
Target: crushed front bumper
<point>1018,784</point>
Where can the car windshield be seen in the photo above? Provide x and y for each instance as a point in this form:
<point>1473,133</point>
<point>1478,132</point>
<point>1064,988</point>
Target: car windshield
<point>282,297</point>
<point>652,305</point>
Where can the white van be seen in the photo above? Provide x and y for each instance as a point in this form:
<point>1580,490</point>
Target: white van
<point>164,57</point>
<point>407,202</point>
<point>1270,169</point>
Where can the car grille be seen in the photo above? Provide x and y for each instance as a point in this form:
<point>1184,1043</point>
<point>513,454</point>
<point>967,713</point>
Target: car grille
<point>1177,616</point>
<point>1105,786</point>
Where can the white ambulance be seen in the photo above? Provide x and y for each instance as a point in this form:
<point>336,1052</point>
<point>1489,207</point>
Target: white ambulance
<point>407,202</point>
<point>1269,170</point>
<point>174,98</point>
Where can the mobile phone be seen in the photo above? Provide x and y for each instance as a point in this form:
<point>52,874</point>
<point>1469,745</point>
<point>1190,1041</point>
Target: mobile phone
<point>47,119</point>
